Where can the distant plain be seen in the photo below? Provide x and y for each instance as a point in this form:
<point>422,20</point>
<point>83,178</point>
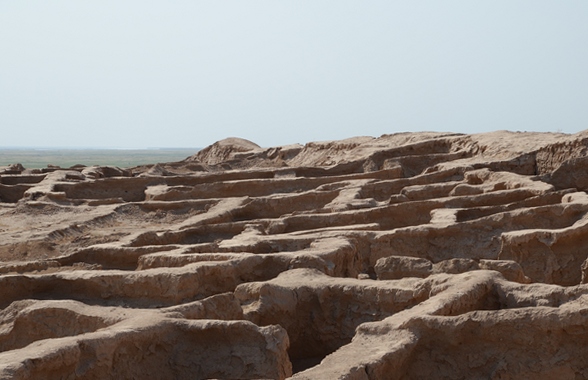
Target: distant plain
<point>37,158</point>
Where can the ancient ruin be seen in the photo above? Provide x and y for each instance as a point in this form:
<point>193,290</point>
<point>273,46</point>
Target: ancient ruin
<point>408,256</point>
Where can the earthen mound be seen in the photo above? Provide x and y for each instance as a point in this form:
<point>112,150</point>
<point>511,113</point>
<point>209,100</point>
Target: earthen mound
<point>225,150</point>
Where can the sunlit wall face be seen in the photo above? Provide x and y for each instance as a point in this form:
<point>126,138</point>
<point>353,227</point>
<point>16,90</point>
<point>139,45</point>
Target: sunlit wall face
<point>188,73</point>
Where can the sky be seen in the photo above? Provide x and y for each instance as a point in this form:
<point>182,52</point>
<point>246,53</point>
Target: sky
<point>137,74</point>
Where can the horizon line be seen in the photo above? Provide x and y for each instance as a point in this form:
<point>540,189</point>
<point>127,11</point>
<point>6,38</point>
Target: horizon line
<point>94,148</point>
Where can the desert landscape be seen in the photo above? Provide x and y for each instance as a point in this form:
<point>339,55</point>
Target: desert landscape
<point>407,256</point>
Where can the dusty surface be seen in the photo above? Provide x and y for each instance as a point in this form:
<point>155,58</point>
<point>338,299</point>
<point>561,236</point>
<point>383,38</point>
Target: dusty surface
<point>409,256</point>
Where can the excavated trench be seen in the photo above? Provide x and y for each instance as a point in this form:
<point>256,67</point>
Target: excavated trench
<point>477,239</point>
<point>473,341</point>
<point>403,249</point>
<point>324,313</point>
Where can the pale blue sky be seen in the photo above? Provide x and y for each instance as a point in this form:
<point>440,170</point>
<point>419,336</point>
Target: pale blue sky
<point>188,73</point>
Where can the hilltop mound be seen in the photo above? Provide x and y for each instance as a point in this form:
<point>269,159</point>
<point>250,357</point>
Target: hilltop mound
<point>224,150</point>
